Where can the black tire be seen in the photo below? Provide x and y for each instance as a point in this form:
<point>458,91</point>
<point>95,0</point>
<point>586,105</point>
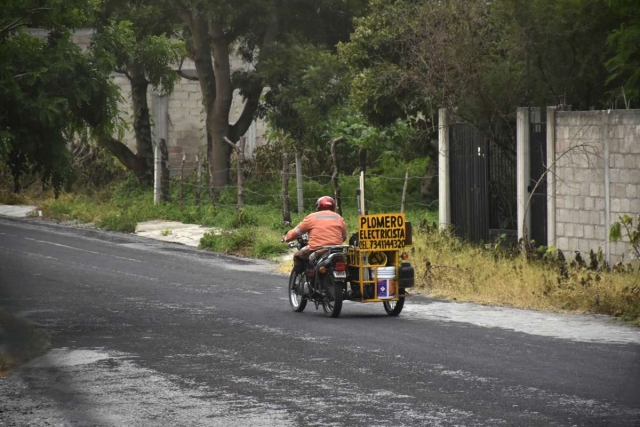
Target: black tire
<point>296,300</point>
<point>394,308</point>
<point>332,302</point>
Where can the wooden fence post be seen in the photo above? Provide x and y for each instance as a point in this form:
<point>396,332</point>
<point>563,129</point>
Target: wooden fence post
<point>299,183</point>
<point>239,148</point>
<point>286,213</point>
<point>198,179</point>
<point>336,172</point>
<point>404,191</point>
<point>184,157</point>
<point>166,172</point>
<point>212,192</point>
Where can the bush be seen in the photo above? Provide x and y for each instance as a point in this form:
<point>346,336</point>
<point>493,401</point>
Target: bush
<point>121,222</point>
<point>239,241</point>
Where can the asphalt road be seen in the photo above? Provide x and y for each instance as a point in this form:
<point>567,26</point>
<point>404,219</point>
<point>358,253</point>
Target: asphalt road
<point>147,333</point>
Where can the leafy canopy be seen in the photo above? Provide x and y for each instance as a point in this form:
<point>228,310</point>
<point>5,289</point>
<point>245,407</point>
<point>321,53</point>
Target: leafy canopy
<point>51,91</point>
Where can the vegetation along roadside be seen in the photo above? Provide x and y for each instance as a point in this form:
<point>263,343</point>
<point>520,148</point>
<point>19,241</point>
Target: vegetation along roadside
<point>446,267</point>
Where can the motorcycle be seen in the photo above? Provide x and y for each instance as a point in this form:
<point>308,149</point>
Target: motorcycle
<point>322,281</point>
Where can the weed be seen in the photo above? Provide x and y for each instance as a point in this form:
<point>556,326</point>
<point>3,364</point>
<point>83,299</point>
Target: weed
<point>6,363</point>
<point>23,339</point>
<point>123,223</point>
<point>449,268</point>
<point>165,232</point>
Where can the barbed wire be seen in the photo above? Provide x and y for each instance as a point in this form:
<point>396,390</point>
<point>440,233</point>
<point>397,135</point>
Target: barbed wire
<point>175,169</point>
<point>278,197</point>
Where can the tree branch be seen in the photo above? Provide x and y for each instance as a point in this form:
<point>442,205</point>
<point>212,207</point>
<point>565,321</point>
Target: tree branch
<point>124,72</point>
<point>228,141</point>
<point>121,151</point>
<point>182,73</point>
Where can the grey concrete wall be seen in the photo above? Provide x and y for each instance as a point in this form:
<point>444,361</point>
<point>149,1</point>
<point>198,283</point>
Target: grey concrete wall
<point>597,177</point>
<point>187,134</point>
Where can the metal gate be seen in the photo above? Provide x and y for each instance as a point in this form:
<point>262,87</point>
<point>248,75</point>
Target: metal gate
<point>538,160</point>
<point>483,185</point>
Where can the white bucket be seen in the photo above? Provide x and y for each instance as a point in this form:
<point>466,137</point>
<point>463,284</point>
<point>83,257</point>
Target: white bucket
<point>386,282</point>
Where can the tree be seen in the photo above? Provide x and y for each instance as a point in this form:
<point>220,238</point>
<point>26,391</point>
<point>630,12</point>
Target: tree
<point>624,41</point>
<point>261,33</point>
<point>479,59</point>
<point>136,39</point>
<point>51,92</point>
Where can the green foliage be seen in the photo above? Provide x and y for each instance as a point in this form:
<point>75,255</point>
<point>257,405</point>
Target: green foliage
<point>624,42</point>
<point>51,92</point>
<point>123,222</point>
<point>480,59</point>
<point>132,37</point>
<point>247,241</point>
<point>306,84</point>
<point>631,233</point>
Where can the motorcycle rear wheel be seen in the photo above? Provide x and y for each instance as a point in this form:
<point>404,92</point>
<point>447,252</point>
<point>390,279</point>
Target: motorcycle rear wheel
<point>332,302</point>
<point>393,308</point>
<point>297,301</point>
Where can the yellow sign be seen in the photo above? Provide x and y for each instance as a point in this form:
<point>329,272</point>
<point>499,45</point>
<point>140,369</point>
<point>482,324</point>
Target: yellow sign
<point>382,232</point>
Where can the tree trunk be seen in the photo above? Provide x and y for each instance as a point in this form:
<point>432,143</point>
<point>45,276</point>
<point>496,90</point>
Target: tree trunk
<point>142,124</point>
<point>427,184</point>
<point>218,125</point>
<point>217,91</point>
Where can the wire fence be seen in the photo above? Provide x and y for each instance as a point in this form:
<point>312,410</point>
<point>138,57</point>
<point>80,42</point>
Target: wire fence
<point>383,192</point>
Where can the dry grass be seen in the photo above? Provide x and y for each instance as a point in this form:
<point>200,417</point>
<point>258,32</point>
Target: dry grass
<point>22,341</point>
<point>6,363</point>
<point>447,268</point>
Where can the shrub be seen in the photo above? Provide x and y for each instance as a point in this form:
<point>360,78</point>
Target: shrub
<point>121,222</point>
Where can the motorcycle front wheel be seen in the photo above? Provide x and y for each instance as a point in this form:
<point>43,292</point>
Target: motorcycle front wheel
<point>297,301</point>
<point>332,302</point>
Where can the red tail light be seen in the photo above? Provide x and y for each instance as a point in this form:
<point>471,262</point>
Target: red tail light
<point>340,266</point>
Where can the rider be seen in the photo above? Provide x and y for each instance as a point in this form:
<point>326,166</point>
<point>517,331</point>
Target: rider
<point>325,228</point>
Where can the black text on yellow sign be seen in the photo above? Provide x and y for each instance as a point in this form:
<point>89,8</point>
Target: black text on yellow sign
<point>381,232</point>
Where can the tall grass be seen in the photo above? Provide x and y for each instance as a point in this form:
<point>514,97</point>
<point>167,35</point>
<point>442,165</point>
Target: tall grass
<point>448,268</point>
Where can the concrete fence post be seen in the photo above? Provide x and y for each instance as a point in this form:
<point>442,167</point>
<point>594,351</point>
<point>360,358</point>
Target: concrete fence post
<point>160,107</point>
<point>606,128</point>
<point>523,165</point>
<point>551,176</point>
<point>444,184</point>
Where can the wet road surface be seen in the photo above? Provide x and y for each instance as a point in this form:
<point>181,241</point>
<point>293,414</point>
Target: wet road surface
<point>148,333</point>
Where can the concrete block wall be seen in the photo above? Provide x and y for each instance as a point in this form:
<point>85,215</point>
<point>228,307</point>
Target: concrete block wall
<point>597,177</point>
<point>187,133</point>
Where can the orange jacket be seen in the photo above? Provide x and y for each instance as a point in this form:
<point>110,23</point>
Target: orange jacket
<point>324,228</point>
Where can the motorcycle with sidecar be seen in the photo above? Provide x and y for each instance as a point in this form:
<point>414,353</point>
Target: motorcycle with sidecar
<point>373,268</point>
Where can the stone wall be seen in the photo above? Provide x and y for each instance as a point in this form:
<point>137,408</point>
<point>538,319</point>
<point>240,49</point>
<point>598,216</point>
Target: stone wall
<point>597,177</point>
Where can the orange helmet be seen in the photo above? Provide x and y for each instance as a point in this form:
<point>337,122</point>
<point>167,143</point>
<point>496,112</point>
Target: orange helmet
<point>326,203</point>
